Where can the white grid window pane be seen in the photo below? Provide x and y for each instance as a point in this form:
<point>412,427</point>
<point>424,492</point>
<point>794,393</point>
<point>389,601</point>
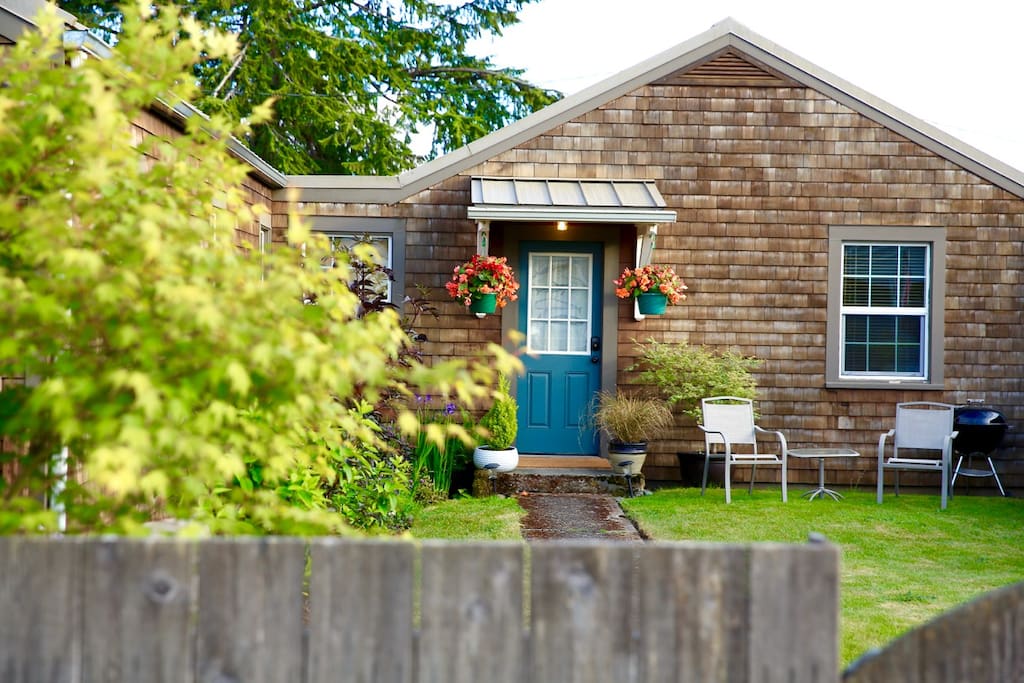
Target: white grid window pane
<point>885,309</point>
<point>560,303</point>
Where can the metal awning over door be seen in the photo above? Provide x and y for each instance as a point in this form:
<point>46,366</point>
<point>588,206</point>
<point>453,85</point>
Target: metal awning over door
<point>563,199</point>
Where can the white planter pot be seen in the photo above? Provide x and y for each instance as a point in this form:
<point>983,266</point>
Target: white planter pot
<point>616,458</point>
<point>507,460</point>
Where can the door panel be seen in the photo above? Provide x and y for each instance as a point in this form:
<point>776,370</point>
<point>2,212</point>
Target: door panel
<point>560,316</point>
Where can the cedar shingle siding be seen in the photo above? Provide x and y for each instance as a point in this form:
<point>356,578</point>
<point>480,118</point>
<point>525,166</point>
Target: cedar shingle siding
<point>757,174</point>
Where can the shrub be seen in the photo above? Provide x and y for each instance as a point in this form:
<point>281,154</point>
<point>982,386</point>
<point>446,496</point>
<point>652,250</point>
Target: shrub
<point>685,374</point>
<point>500,419</point>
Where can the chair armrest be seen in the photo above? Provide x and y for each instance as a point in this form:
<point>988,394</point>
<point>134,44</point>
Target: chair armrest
<point>947,446</point>
<point>778,435</point>
<point>881,443</point>
<point>725,440</point>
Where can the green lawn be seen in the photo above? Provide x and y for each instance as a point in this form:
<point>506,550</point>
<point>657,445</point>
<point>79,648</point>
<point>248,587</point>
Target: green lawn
<point>903,562</point>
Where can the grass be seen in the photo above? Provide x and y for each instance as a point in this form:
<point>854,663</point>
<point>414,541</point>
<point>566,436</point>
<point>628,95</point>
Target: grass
<point>903,562</point>
<point>470,519</point>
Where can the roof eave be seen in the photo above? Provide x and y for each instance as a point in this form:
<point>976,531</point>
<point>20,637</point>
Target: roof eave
<point>569,214</point>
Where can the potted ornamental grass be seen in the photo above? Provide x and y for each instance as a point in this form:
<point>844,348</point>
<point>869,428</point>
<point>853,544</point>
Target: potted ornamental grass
<point>500,425</point>
<point>653,287</point>
<point>630,421</point>
<point>483,284</point>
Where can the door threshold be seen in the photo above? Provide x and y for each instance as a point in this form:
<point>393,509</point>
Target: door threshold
<point>563,462</point>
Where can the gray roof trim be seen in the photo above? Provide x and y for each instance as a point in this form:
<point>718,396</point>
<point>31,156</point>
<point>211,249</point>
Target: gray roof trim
<point>575,214</point>
<point>725,34</point>
<point>567,199</point>
<point>260,168</point>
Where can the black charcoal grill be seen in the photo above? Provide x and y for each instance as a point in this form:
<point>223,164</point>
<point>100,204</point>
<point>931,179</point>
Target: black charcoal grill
<point>979,432</point>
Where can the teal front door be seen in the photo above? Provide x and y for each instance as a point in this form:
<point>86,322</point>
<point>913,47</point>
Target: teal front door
<point>560,316</point>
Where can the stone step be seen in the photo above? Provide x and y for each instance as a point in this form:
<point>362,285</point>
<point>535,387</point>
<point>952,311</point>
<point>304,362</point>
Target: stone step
<point>556,480</point>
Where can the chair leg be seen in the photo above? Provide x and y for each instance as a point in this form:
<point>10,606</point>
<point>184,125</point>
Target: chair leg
<point>945,484</point>
<point>728,492</point>
<point>707,466</point>
<point>881,480</point>
<point>753,474</point>
<point>897,482</point>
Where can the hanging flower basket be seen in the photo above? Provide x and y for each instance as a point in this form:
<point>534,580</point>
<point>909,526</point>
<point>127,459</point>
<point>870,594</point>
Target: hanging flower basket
<point>654,287</point>
<point>483,278</point>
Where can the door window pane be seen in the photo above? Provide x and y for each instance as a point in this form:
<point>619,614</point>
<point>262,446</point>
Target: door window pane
<point>560,303</point>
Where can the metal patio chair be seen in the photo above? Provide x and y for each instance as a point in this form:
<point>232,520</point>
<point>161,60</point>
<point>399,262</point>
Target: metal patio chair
<point>728,423</point>
<point>920,426</point>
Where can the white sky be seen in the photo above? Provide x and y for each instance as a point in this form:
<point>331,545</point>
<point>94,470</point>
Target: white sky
<point>953,63</point>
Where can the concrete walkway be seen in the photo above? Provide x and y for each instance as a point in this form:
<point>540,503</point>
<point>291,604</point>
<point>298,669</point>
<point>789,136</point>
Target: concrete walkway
<point>576,516</point>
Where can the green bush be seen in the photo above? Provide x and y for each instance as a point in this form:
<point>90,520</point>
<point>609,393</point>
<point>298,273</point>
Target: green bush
<point>373,490</point>
<point>685,374</point>
<point>500,419</point>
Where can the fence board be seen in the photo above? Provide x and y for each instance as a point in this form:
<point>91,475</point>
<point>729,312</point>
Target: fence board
<point>472,613</point>
<point>361,597</point>
<point>693,613</point>
<point>981,642</point>
<point>794,607</point>
<point>251,610</point>
<point>39,601</point>
<point>582,613</point>
<point>137,599</point>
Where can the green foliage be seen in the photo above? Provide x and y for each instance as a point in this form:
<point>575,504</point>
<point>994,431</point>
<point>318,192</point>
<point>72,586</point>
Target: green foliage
<point>186,377</point>
<point>629,418</point>
<point>685,374</point>
<point>373,490</point>
<point>500,420</point>
<point>441,447</point>
<point>352,80</point>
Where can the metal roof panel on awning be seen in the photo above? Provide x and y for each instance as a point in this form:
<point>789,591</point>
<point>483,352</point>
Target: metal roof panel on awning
<point>585,200</point>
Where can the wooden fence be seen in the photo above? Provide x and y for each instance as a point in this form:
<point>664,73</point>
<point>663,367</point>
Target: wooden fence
<point>979,642</point>
<point>281,610</point>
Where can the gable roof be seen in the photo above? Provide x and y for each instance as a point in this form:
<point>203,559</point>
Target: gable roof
<point>728,52</point>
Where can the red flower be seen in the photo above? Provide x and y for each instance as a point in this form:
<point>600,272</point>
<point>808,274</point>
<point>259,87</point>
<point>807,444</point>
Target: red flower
<point>483,275</point>
<point>634,282</point>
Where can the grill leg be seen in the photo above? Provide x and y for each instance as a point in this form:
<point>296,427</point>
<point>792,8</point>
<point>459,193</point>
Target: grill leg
<point>998,483</point>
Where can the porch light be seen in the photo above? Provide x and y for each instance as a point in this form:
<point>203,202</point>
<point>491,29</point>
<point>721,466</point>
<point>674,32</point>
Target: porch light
<point>562,226</point>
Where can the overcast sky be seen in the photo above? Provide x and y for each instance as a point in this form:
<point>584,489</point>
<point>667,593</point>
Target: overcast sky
<point>956,66</point>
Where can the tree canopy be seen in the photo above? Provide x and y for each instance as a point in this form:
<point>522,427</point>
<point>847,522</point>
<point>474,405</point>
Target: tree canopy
<point>352,80</point>
<point>181,375</point>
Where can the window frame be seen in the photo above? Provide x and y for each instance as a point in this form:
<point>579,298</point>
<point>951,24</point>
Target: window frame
<point>839,236</point>
<point>392,228</point>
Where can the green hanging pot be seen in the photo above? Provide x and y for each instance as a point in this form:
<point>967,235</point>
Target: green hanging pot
<point>652,303</point>
<point>484,303</point>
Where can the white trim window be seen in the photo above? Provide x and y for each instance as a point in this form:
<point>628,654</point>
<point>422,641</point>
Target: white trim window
<point>885,310</point>
<point>384,256</point>
<point>886,306</point>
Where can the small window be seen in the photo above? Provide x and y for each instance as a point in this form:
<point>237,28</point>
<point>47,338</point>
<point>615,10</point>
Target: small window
<point>382,248</point>
<point>385,235</point>
<point>885,306</point>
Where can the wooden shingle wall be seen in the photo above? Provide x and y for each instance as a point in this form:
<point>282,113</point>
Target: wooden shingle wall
<point>757,175</point>
<point>254,191</point>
